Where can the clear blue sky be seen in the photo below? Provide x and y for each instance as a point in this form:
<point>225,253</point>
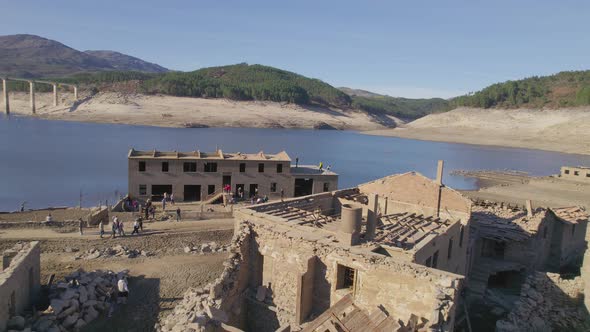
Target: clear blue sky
<point>402,48</point>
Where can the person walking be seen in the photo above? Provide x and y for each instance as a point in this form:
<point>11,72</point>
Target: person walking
<point>81,225</point>
<point>101,228</point>
<point>153,212</point>
<point>282,194</point>
<point>115,227</point>
<point>177,214</point>
<point>121,229</point>
<point>172,199</point>
<point>140,221</point>
<point>135,227</point>
<point>164,203</point>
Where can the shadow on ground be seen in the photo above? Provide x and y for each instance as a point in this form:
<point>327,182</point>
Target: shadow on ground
<point>139,314</point>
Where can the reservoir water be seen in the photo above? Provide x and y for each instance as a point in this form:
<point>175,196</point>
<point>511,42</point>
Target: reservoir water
<point>49,163</point>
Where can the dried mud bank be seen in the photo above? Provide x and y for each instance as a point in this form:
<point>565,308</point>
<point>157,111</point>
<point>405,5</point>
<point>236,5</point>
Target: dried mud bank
<point>565,130</point>
<point>186,112</point>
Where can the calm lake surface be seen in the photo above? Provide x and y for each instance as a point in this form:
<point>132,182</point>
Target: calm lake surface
<point>48,163</point>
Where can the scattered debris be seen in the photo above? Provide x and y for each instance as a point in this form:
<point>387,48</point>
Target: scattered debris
<point>116,251</point>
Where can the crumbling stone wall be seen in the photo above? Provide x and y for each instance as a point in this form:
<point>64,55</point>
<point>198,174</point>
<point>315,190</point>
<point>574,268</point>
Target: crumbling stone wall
<point>19,279</point>
<point>547,303</point>
<point>220,302</point>
<point>402,289</point>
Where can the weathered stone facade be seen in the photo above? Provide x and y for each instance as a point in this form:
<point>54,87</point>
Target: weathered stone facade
<point>19,280</point>
<point>196,176</point>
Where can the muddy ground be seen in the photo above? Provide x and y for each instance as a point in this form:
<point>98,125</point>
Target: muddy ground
<point>157,282</point>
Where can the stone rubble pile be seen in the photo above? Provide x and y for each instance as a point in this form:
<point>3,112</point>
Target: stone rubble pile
<point>116,251</point>
<point>547,303</point>
<point>205,248</point>
<point>73,303</point>
<point>203,308</point>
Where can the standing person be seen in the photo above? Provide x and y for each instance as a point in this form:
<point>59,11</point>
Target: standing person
<point>140,224</point>
<point>164,202</point>
<point>172,198</point>
<point>81,225</point>
<point>123,290</point>
<point>296,162</point>
<point>240,193</point>
<point>177,214</point>
<point>22,207</point>
<point>321,166</point>
<point>115,227</point>
<point>282,194</point>
<point>101,228</point>
<point>135,227</point>
<point>121,230</point>
<point>165,196</point>
<point>153,212</point>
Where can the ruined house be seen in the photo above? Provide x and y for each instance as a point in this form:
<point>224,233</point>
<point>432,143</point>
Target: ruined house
<point>509,241</point>
<point>350,260</point>
<point>575,173</point>
<point>201,176</point>
<point>19,280</point>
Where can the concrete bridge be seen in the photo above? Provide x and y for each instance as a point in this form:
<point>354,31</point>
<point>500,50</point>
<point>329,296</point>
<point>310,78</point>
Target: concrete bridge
<point>32,91</point>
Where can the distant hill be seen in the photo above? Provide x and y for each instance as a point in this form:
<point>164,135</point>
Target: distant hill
<point>248,82</point>
<point>33,56</point>
<point>359,92</point>
<point>123,62</point>
<point>569,88</point>
<point>405,108</point>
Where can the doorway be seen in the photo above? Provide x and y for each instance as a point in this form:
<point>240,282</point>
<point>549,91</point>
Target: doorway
<point>226,182</point>
<point>303,187</point>
<point>253,189</point>
<point>158,191</point>
<point>238,187</point>
<point>192,193</point>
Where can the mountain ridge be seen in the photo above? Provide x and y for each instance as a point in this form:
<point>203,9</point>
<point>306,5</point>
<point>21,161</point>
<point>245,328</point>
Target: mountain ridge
<point>32,56</point>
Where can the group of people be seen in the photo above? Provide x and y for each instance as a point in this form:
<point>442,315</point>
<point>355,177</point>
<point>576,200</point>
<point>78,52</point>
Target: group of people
<point>167,198</point>
<point>117,227</point>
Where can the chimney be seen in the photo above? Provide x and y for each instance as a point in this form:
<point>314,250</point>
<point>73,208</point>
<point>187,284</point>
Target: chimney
<point>439,172</point>
<point>529,208</point>
<point>439,176</point>
<point>372,216</point>
<point>350,224</point>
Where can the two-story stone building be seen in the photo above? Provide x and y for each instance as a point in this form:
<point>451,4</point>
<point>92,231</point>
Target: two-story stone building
<point>197,176</point>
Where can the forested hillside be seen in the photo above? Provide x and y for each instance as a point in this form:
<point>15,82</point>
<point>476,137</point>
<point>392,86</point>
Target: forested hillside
<point>570,88</point>
<point>247,82</point>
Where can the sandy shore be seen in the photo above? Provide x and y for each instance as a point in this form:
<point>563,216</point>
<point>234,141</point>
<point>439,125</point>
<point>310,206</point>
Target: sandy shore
<point>168,111</point>
<point>554,130</point>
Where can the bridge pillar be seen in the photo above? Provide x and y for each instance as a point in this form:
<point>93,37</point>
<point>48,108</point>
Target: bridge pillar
<point>5,94</point>
<point>54,94</point>
<point>32,95</point>
<point>75,93</point>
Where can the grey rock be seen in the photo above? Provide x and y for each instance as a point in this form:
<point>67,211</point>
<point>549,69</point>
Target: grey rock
<point>16,323</point>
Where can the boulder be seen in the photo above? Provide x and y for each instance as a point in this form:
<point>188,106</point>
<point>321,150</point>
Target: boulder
<point>70,320</point>
<point>261,293</point>
<point>83,294</point>
<point>216,314</point>
<point>79,324</point>
<point>91,314</point>
<point>58,305</point>
<point>206,247</point>
<point>68,295</point>
<point>187,249</point>
<point>16,323</point>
